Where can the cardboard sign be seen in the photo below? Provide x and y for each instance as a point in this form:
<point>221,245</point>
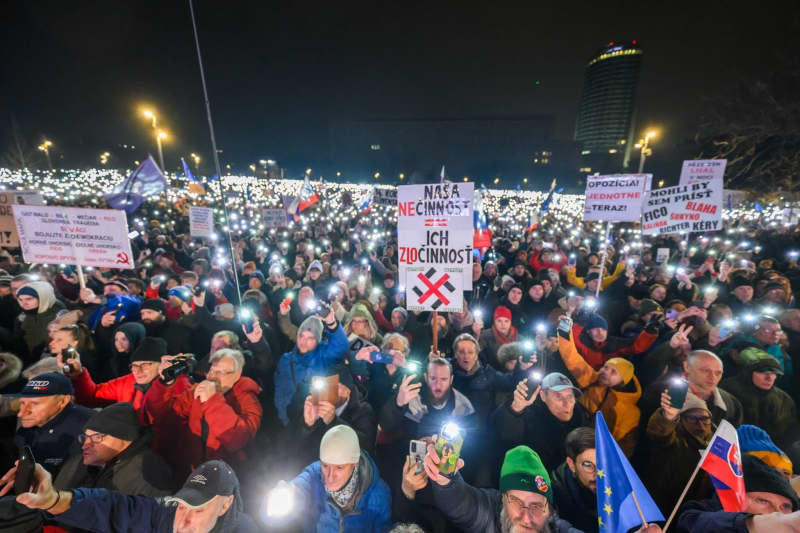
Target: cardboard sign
<point>8,230</point>
<point>615,197</point>
<point>385,196</point>
<point>274,218</point>
<point>662,255</point>
<point>73,236</point>
<point>702,170</point>
<point>435,229</point>
<point>201,221</point>
<point>683,209</point>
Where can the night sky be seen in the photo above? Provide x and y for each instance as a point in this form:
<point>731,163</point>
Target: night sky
<point>78,72</point>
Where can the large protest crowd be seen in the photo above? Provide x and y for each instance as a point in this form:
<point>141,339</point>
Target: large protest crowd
<point>289,388</point>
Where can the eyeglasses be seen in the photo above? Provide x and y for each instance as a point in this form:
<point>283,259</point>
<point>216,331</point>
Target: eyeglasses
<point>536,508</point>
<point>96,438</point>
<point>214,370</point>
<point>697,419</point>
<point>140,366</point>
<point>588,466</point>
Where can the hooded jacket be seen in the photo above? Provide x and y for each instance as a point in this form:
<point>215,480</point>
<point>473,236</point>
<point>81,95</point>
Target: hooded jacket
<point>34,325</point>
<point>597,354</point>
<point>295,370</point>
<point>117,365</point>
<point>10,373</point>
<point>618,405</point>
<point>372,513</point>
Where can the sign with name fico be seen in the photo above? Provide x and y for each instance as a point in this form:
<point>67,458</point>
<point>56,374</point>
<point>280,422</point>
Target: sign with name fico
<point>683,209</point>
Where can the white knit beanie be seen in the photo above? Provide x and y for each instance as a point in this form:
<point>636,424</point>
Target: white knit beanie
<point>339,446</point>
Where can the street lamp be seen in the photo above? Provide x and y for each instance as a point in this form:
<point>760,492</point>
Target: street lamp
<point>45,147</point>
<point>644,144</point>
<point>161,136</point>
<point>104,157</point>
<point>253,168</point>
<point>196,159</point>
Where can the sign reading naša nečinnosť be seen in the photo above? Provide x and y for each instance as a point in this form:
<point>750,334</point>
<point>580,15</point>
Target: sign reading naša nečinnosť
<point>683,209</point>
<point>615,197</point>
<point>73,236</point>
<point>435,229</point>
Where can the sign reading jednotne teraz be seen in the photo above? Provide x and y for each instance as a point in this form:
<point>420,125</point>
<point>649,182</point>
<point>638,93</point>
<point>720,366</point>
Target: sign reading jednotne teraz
<point>615,197</point>
<point>435,229</point>
<point>683,209</point>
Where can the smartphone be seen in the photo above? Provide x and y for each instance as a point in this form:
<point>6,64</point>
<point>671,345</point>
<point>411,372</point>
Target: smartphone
<point>417,450</point>
<point>381,357</point>
<point>565,326</point>
<point>325,389</point>
<point>534,380</point>
<point>23,479</point>
<point>678,387</point>
<point>247,319</point>
<point>572,259</point>
<point>448,447</point>
<point>414,368</point>
<point>726,328</point>
<point>671,314</point>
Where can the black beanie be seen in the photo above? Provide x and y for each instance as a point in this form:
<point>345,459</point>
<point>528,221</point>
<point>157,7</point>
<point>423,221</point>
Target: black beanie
<point>156,304</point>
<point>119,420</point>
<point>760,477</point>
<point>151,349</point>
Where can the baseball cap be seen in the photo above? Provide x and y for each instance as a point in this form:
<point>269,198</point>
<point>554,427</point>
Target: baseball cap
<point>210,479</point>
<point>555,381</point>
<point>48,384</point>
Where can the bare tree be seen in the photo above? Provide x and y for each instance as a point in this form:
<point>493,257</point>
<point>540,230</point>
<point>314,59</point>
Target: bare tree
<point>756,127</point>
<point>18,153</point>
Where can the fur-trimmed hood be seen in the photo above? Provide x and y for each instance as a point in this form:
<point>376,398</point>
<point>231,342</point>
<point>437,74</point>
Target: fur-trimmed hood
<point>10,369</point>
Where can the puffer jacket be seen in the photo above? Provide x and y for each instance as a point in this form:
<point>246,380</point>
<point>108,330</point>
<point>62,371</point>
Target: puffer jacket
<point>482,385</point>
<point>619,406</point>
<point>597,354</point>
<point>475,510</point>
<point>372,513</point>
<point>295,371</point>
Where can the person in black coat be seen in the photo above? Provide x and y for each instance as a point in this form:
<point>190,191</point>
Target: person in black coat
<point>575,481</point>
<point>156,324</point>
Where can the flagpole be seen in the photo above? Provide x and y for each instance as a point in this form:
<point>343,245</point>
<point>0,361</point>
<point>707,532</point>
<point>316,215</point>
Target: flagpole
<point>81,278</point>
<point>214,151</point>
<point>435,347</point>
<point>641,514</point>
<point>683,495</point>
<point>603,260</point>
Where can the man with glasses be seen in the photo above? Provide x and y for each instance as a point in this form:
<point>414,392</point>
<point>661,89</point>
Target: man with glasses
<point>116,455</point>
<point>132,387</point>
<point>220,415</point>
<point>575,481</point>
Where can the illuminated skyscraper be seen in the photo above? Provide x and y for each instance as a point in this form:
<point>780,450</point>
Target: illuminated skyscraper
<point>605,124</point>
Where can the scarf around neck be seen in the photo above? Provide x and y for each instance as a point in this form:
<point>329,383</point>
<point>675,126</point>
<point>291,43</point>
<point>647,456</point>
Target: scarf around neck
<point>512,335</point>
<point>344,496</point>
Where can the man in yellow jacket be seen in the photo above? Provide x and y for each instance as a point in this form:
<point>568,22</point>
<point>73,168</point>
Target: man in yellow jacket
<point>613,390</point>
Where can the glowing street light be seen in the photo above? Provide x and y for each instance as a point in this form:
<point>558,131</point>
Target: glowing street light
<point>104,157</point>
<point>644,144</point>
<point>45,147</point>
<point>160,134</point>
<point>196,159</point>
<point>377,175</point>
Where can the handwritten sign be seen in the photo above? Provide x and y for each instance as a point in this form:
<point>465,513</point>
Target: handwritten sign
<point>615,197</point>
<point>274,218</point>
<point>201,221</point>
<point>8,230</point>
<point>702,170</point>
<point>683,209</point>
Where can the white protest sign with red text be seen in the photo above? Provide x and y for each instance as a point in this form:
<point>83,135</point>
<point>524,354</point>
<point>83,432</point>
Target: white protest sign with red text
<point>702,170</point>
<point>683,209</point>
<point>73,236</point>
<point>615,197</point>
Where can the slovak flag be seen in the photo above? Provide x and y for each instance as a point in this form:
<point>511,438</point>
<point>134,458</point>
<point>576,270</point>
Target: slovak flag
<point>482,236</point>
<point>366,205</point>
<point>307,196</point>
<point>723,462</point>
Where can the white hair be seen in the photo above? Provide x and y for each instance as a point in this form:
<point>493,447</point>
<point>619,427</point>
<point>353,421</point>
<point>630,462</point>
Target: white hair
<point>694,355</point>
<point>235,355</point>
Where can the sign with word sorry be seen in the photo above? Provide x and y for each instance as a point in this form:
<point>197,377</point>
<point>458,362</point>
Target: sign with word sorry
<point>702,170</point>
<point>615,197</point>
<point>274,218</point>
<point>385,196</point>
<point>73,236</point>
<point>434,224</point>
<point>683,209</point>
<point>435,289</point>
<point>8,230</point>
<point>201,221</point>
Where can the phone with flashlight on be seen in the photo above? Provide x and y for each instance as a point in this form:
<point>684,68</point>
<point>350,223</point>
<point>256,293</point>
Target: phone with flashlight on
<point>448,448</point>
<point>247,319</point>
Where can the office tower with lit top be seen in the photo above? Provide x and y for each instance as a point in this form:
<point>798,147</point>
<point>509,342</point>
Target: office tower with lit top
<point>604,129</point>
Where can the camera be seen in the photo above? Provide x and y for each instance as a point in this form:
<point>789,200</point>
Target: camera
<point>180,365</point>
<point>198,289</point>
<point>68,353</point>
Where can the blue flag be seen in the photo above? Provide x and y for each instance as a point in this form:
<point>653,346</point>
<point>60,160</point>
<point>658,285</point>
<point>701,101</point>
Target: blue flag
<point>145,181</point>
<point>617,482</point>
<point>546,203</point>
<point>188,172</point>
<point>758,207</point>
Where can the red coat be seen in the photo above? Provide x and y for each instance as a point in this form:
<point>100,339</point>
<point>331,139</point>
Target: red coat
<point>537,265</point>
<point>597,355</point>
<point>232,419</point>
<point>120,389</point>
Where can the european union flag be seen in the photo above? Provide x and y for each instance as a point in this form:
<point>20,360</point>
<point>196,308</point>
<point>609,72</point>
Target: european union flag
<point>617,482</point>
<point>147,180</point>
<point>188,172</point>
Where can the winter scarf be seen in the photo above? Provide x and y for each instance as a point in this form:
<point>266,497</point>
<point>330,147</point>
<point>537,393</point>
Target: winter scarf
<point>513,336</point>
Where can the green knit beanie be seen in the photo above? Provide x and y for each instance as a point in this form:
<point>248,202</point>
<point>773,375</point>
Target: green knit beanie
<point>523,470</point>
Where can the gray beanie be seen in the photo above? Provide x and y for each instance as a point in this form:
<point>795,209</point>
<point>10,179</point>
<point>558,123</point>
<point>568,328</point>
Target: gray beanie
<point>402,311</point>
<point>339,446</point>
<point>314,325</point>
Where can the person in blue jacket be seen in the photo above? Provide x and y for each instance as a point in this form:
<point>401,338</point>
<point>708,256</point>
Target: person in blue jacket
<point>343,491</point>
<point>311,356</point>
<point>208,501</point>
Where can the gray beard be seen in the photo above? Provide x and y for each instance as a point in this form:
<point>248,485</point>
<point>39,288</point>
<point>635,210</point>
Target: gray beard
<point>507,526</point>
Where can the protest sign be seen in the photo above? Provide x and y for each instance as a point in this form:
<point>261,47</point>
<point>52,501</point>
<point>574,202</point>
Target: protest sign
<point>201,221</point>
<point>8,230</point>
<point>662,255</point>
<point>702,170</point>
<point>435,289</point>
<point>274,218</point>
<point>435,229</point>
<point>73,236</point>
<point>683,209</point>
<point>385,196</point>
<point>615,197</point>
